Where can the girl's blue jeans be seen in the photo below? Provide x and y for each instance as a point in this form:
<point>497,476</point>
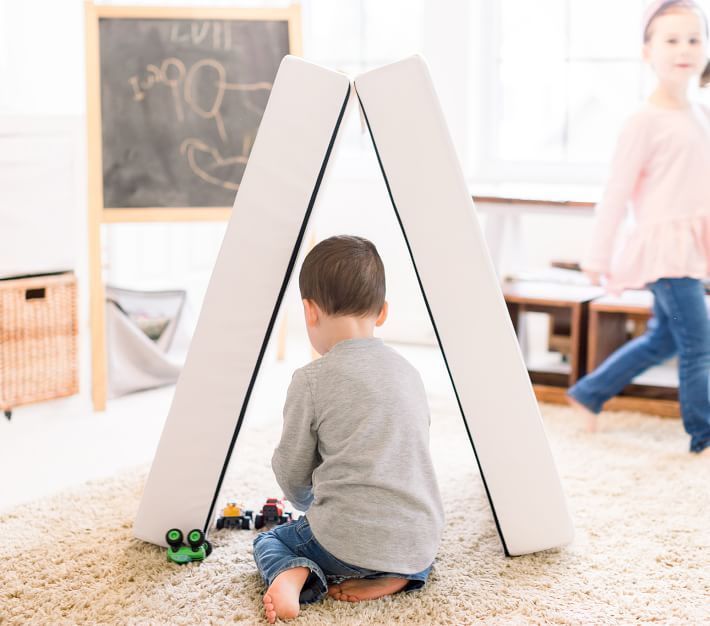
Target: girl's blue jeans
<point>293,545</point>
<point>680,325</point>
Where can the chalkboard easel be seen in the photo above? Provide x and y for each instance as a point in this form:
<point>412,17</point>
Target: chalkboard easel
<point>174,100</point>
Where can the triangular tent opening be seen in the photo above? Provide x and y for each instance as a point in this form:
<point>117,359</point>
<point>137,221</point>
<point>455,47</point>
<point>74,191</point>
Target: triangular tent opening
<point>458,282</point>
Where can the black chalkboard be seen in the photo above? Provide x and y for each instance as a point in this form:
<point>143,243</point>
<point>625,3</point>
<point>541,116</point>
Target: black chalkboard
<point>181,101</point>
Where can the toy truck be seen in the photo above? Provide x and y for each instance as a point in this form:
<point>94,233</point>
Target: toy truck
<point>234,517</point>
<point>198,547</point>
<point>273,512</point>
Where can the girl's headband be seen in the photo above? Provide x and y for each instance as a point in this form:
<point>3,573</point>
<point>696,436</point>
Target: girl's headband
<point>653,9</point>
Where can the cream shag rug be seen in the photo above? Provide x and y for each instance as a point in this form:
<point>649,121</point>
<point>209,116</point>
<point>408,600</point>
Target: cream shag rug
<point>640,502</point>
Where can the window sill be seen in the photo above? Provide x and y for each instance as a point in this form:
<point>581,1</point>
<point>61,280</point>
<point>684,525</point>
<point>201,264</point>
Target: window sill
<point>532,197</point>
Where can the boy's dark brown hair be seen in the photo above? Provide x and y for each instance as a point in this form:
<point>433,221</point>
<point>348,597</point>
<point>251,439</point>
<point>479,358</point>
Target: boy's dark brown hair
<point>344,275</point>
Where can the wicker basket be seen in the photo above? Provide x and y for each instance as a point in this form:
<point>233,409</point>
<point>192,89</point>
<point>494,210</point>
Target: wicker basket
<point>38,339</point>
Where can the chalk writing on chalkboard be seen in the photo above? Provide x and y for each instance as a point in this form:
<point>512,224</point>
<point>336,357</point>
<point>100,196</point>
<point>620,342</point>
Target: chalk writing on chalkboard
<point>181,104</point>
<point>181,82</point>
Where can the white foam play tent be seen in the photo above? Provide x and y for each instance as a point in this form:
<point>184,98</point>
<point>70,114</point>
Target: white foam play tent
<point>460,288</point>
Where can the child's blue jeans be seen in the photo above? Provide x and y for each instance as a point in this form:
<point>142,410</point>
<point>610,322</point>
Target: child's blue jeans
<point>680,325</point>
<point>293,545</point>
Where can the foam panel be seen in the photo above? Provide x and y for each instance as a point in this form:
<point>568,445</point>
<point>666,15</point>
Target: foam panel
<point>247,285</point>
<point>466,305</point>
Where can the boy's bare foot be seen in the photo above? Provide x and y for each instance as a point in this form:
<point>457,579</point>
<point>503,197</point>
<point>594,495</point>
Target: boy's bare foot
<point>705,452</point>
<point>357,589</point>
<point>590,419</point>
<point>281,598</point>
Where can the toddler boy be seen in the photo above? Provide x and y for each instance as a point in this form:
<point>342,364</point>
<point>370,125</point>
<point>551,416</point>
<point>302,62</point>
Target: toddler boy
<point>354,451</point>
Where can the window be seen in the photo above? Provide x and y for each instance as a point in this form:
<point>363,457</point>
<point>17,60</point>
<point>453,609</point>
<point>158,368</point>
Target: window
<point>357,35</point>
<point>354,36</point>
<point>561,77</point>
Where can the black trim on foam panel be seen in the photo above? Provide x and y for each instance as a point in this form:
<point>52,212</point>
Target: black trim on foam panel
<point>277,306</point>
<point>433,323</point>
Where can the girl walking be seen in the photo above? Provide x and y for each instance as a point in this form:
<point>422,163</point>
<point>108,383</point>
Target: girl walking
<point>661,171</point>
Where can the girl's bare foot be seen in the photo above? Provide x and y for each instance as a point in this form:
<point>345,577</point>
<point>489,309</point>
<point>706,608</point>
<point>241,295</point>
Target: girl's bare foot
<point>281,598</point>
<point>358,589</point>
<point>590,419</point>
<point>705,452</point>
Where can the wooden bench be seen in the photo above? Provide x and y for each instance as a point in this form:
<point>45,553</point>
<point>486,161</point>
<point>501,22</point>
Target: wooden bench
<point>614,320</point>
<point>567,306</point>
<point>586,326</point>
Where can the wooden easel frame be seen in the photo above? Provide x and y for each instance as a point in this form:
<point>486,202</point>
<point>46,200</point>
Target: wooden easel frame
<point>98,214</point>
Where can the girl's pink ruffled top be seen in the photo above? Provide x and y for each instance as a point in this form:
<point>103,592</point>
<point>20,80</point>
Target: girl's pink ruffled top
<point>661,174</point>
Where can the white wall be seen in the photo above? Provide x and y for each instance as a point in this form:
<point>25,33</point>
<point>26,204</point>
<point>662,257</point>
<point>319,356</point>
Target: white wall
<point>42,73</point>
<point>41,57</point>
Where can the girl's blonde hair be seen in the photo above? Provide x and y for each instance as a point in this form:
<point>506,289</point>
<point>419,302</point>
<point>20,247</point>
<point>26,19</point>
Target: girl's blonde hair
<point>670,6</point>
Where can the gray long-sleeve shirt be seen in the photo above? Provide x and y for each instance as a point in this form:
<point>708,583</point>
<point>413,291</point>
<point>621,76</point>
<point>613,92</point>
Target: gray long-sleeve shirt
<point>354,454</point>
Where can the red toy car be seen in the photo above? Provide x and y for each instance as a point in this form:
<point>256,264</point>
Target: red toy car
<point>273,512</point>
